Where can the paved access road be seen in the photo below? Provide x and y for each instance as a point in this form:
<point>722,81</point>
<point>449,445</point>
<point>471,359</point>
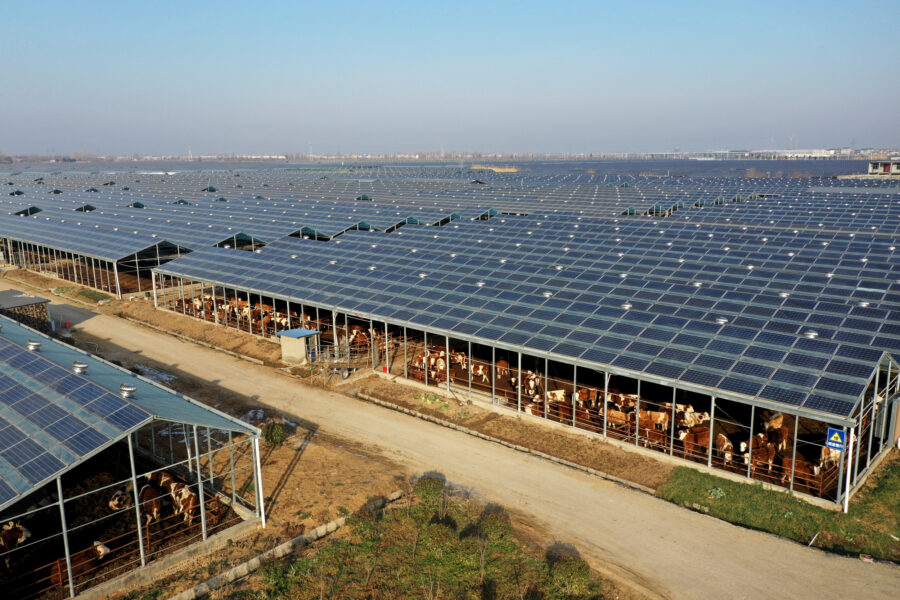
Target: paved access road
<point>662,549</point>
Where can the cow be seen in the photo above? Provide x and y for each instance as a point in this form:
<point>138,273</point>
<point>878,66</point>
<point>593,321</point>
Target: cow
<point>461,359</point>
<point>804,471</point>
<point>778,437</point>
<point>656,419</point>
<point>829,457</point>
<point>725,447</point>
<point>762,457</point>
<point>149,499</point>
<point>502,369</point>
<point>690,418</point>
<point>556,396</point>
<point>760,440</point>
<point>11,536</point>
<point>161,479</point>
<point>184,501</point>
<point>774,422</point>
<point>589,395</point>
<point>694,440</point>
<point>480,371</point>
<point>667,406</point>
<point>121,499</point>
<point>83,561</point>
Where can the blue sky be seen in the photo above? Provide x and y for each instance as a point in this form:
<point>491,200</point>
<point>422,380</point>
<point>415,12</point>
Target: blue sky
<point>121,77</point>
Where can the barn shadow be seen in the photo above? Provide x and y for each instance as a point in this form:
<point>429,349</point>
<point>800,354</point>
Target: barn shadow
<point>288,471</point>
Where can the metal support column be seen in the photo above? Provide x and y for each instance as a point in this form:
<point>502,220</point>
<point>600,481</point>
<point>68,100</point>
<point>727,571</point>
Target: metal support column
<point>574,391</point>
<point>137,504</point>
<point>447,359</point>
<point>200,496</point>
<point>841,464</point>
<point>519,384</point>
<point>425,361</point>
<point>750,441</point>
<point>794,453</point>
<point>605,401</point>
<point>849,460</point>
<point>210,460</point>
<point>231,465</point>
<point>637,415</point>
<point>493,372</point>
<point>65,535</point>
<point>712,427</point>
<point>153,281</point>
<point>405,357</point>
<point>672,424</point>
<point>118,287</point>
<point>259,489</point>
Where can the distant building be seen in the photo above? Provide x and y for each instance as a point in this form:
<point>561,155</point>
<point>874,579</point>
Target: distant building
<point>884,167</point>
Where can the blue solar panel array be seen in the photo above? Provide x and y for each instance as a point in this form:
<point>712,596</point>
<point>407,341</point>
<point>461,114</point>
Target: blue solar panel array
<point>51,417</point>
<point>785,289</point>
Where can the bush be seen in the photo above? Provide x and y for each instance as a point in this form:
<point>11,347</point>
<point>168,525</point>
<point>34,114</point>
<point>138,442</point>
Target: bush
<point>274,433</point>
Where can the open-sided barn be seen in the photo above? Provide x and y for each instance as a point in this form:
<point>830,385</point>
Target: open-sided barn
<point>103,471</point>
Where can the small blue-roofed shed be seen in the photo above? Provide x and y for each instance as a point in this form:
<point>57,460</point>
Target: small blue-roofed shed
<point>294,345</point>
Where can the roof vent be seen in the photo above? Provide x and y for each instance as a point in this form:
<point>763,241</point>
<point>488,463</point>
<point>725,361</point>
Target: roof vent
<point>809,333</point>
<point>127,390</point>
<point>626,305</point>
<point>33,345</point>
<point>783,294</point>
<point>80,367</point>
<point>548,294</point>
<point>864,304</point>
<point>721,320</point>
<point>1,327</point>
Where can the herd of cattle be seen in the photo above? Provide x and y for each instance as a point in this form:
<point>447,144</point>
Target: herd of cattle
<point>153,494</point>
<point>256,317</point>
<point>768,454</point>
<point>159,494</point>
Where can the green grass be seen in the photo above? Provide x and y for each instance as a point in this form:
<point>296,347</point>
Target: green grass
<point>93,295</point>
<point>434,547</point>
<point>872,525</point>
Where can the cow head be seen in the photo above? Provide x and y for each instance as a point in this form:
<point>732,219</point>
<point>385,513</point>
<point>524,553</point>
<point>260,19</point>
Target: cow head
<point>19,530</point>
<point>743,447</point>
<point>101,549</point>
<point>121,499</point>
<point>816,469</point>
<point>682,434</point>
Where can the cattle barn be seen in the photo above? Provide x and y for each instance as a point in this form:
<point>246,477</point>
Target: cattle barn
<point>735,323</point>
<point>103,471</point>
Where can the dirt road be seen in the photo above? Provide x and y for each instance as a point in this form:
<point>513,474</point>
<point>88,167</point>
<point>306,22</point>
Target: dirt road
<point>668,551</point>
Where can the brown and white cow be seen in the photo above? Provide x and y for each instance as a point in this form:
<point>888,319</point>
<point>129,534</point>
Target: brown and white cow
<point>161,479</point>
<point>774,422</point>
<point>11,536</point>
<point>725,447</point>
<point>480,370</point>
<point>804,471</point>
<point>149,499</point>
<point>83,561</point>
<point>760,440</point>
<point>694,440</point>
<point>778,437</point>
<point>184,501</point>
<point>502,368</point>
<point>556,396</point>
<point>461,359</point>
<point>763,457</point>
<point>828,457</point>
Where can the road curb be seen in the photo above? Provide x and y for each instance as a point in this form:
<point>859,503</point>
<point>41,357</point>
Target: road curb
<point>247,567</point>
<point>523,449</point>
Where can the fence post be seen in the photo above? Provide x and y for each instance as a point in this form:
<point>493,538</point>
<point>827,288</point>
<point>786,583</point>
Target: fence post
<point>712,427</point>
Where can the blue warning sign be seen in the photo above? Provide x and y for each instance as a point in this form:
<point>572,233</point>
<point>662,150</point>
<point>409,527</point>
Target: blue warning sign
<point>834,439</point>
